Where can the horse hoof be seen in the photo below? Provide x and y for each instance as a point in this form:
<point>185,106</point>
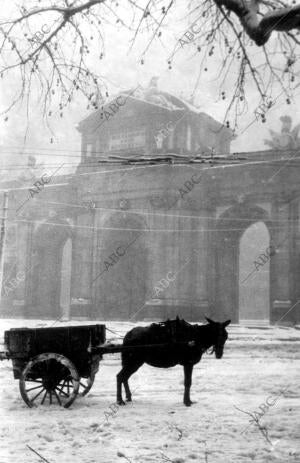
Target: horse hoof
<point>121,402</point>
<point>129,399</point>
<point>188,404</point>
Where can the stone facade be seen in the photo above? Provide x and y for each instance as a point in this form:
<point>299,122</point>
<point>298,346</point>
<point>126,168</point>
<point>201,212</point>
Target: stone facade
<point>150,226</point>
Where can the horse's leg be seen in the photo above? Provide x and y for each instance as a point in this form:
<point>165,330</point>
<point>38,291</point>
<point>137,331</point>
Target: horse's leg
<point>129,372</point>
<point>122,378</point>
<point>188,371</point>
<point>127,390</point>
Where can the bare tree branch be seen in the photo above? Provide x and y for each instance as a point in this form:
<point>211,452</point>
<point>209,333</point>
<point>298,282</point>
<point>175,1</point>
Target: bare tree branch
<point>283,19</point>
<point>58,64</point>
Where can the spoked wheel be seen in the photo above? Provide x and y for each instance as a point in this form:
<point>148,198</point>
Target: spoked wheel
<point>85,384</point>
<point>49,379</point>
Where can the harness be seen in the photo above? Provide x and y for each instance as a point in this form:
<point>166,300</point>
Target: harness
<point>179,331</point>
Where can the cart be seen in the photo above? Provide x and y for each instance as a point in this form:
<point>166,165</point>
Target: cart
<point>55,364</point>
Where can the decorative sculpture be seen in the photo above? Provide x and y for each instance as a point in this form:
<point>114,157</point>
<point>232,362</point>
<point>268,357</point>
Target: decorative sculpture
<point>287,138</point>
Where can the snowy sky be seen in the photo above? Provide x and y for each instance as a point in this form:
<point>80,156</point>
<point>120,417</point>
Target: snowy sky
<point>121,69</point>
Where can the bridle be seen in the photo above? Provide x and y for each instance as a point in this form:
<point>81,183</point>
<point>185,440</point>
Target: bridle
<point>212,349</point>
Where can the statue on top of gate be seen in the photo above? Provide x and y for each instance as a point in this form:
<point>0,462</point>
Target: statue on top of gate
<point>288,138</point>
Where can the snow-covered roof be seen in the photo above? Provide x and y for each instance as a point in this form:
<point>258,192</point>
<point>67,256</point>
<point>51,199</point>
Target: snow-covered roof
<point>152,96</point>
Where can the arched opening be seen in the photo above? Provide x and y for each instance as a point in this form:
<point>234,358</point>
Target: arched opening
<point>49,287</point>
<point>121,274</point>
<point>254,274</point>
<point>234,230</point>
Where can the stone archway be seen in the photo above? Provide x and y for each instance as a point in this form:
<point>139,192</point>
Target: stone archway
<point>51,269</point>
<point>254,274</point>
<point>230,227</point>
<point>121,273</point>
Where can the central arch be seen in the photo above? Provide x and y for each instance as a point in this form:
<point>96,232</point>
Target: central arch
<point>121,284</point>
<point>231,226</point>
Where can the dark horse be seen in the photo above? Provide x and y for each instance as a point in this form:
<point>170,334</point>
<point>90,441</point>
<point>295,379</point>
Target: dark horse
<point>166,344</point>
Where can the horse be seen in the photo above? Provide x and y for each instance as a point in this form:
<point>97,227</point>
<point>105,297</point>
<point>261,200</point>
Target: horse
<point>166,344</point>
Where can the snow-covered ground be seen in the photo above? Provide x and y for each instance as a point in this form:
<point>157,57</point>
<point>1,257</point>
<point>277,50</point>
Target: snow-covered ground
<point>156,426</point>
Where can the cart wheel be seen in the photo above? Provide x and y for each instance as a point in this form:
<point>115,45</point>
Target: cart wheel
<point>85,384</point>
<point>49,378</point>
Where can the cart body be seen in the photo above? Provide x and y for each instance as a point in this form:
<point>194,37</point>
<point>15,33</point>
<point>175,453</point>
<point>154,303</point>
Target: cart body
<point>74,342</point>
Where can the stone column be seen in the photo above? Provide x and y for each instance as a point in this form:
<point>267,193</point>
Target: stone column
<point>81,263</point>
<point>280,262</point>
<point>211,245</point>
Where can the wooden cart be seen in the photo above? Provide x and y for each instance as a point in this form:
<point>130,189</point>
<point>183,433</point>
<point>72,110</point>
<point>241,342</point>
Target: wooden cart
<point>54,364</point>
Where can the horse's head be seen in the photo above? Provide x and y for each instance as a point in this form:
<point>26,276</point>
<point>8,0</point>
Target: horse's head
<point>219,336</point>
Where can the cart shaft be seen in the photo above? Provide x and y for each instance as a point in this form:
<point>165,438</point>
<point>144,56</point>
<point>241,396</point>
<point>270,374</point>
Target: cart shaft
<point>115,348</point>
